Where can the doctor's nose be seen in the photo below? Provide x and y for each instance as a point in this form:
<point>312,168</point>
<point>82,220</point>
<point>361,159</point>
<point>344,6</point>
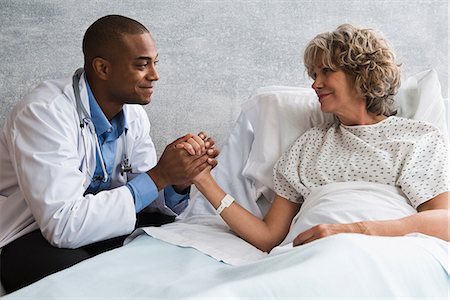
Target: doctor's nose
<point>152,74</point>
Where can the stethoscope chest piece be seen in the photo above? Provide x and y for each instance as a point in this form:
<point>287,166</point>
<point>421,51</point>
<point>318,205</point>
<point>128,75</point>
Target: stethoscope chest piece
<point>125,166</point>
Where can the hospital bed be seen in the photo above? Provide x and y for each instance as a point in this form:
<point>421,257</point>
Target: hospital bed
<point>198,257</point>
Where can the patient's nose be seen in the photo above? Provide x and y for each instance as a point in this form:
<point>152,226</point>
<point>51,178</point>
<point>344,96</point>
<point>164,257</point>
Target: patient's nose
<point>317,84</point>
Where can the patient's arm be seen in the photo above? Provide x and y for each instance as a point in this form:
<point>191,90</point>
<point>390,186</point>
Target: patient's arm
<point>263,234</point>
<point>433,218</point>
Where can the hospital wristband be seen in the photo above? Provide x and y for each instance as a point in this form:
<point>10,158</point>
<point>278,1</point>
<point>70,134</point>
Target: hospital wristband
<point>226,201</point>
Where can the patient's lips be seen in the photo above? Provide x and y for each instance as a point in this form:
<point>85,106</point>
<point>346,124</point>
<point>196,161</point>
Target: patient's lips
<point>322,95</point>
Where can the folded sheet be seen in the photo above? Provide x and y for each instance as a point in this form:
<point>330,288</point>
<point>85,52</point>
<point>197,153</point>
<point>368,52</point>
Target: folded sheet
<point>209,235</point>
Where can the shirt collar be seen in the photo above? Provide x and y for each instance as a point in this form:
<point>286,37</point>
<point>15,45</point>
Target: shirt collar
<point>101,122</point>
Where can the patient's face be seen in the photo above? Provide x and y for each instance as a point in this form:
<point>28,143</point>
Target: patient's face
<point>336,90</point>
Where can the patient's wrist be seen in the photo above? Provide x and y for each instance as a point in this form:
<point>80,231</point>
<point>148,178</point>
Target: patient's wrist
<point>203,180</point>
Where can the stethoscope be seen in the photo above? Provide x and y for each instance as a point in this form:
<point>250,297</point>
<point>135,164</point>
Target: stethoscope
<point>125,165</point>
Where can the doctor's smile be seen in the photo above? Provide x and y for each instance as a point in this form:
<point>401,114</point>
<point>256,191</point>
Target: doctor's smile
<point>148,90</point>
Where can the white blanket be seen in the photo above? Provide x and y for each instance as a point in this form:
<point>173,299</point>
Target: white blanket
<point>348,202</point>
<point>342,266</point>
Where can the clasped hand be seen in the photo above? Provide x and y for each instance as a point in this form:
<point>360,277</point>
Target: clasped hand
<point>200,145</point>
<point>183,159</point>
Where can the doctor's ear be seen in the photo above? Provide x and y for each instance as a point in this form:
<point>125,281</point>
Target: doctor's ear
<point>101,67</point>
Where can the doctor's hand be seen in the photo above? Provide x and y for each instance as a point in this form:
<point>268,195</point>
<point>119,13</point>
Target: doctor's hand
<point>324,230</point>
<point>199,144</point>
<point>177,167</point>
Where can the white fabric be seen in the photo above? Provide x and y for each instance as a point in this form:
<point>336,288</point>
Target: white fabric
<point>348,202</point>
<point>447,114</point>
<point>420,98</point>
<point>44,173</point>
<point>278,115</point>
<point>343,266</point>
<point>389,152</point>
<point>208,234</point>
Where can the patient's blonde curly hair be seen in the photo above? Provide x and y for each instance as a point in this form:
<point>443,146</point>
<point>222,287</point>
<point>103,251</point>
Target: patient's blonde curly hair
<point>363,54</point>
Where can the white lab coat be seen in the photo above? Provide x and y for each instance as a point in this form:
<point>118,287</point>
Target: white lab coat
<point>43,172</point>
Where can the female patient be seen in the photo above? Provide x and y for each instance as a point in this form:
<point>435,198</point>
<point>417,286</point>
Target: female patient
<point>355,77</point>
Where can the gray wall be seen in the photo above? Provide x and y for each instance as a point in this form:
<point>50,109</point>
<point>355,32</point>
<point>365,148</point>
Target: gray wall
<point>212,54</point>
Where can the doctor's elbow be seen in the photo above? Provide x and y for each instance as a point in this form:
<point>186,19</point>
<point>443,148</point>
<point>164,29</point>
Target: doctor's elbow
<point>61,239</point>
<point>60,242</point>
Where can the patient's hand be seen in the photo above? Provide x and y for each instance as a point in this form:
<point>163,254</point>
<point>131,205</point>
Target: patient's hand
<point>201,145</point>
<point>324,230</point>
<point>197,144</point>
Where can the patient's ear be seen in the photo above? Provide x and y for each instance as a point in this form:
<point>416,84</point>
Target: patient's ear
<point>101,67</point>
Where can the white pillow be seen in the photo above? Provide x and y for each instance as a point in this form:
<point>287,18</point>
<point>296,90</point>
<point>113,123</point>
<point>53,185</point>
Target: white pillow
<point>279,115</point>
<point>420,98</point>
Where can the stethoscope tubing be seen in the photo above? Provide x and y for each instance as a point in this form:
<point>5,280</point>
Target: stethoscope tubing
<point>81,110</point>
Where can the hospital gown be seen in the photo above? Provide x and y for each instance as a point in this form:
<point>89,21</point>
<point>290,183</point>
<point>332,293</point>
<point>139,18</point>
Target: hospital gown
<point>409,154</point>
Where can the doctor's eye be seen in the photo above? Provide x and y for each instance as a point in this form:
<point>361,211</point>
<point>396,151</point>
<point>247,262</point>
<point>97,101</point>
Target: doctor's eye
<point>142,66</point>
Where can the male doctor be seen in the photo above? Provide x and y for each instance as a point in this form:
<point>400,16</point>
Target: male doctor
<point>77,170</point>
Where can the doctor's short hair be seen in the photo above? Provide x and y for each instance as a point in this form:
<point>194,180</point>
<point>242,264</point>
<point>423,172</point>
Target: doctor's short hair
<point>105,34</point>
<point>366,56</point>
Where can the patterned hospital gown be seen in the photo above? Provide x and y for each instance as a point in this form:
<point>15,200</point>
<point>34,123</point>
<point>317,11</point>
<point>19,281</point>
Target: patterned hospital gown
<point>409,154</point>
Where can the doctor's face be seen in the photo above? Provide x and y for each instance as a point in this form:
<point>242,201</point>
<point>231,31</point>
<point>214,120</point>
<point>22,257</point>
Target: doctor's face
<point>133,75</point>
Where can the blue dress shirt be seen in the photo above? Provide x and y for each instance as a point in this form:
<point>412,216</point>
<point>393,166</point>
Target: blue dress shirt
<point>142,187</point>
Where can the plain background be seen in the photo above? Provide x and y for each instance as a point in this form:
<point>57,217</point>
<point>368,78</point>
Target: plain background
<point>212,54</point>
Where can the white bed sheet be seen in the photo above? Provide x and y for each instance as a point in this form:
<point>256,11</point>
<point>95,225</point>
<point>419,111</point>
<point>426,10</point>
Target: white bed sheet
<point>346,266</point>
